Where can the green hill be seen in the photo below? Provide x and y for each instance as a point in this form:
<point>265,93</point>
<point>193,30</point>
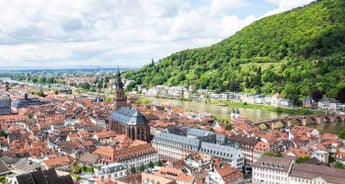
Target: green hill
<point>291,53</point>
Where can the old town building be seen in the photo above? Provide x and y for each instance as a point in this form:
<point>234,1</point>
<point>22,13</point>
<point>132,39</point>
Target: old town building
<point>247,144</point>
<point>309,173</point>
<point>270,169</point>
<point>223,173</point>
<point>131,123</point>
<point>26,101</point>
<point>113,171</point>
<point>5,105</point>
<point>173,144</point>
<point>132,156</point>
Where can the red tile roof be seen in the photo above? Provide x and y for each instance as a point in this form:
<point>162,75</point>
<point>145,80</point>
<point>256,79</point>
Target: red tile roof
<point>261,147</point>
<point>58,162</point>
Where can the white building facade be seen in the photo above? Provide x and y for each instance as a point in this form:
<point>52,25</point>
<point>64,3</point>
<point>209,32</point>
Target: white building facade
<point>272,170</point>
<point>174,144</point>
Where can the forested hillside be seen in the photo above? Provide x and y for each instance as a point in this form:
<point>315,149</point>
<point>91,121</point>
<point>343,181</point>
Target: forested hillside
<point>291,53</point>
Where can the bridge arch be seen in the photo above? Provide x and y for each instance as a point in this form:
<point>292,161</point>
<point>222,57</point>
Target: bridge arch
<point>310,120</point>
<point>327,119</point>
<point>264,126</point>
<point>299,120</point>
<point>279,124</point>
<point>338,119</point>
<point>295,121</point>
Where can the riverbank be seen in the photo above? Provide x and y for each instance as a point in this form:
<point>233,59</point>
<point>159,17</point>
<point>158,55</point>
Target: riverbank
<point>292,111</point>
<point>288,110</point>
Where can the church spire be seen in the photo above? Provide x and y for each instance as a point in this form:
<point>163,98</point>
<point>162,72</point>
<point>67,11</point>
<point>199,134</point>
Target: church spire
<point>118,84</point>
<point>120,98</point>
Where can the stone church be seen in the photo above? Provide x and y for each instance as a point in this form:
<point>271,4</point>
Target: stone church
<point>125,120</point>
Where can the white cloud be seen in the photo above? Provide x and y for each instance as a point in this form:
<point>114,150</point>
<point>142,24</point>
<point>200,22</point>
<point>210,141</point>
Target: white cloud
<point>222,5</point>
<point>126,33</point>
<point>284,5</point>
<point>231,24</point>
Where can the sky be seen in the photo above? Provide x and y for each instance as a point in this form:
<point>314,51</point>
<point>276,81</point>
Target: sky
<point>42,34</point>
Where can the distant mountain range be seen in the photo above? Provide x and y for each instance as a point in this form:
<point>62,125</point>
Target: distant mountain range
<point>292,53</point>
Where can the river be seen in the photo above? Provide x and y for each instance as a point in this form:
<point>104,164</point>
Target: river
<point>224,112</point>
<point>6,79</point>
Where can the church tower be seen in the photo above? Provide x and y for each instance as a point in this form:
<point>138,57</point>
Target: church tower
<point>120,98</point>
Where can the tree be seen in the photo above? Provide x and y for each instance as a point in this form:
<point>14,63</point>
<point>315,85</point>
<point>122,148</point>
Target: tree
<point>228,126</point>
<point>342,134</point>
<point>86,85</point>
<point>331,159</point>
<point>151,165</point>
<point>76,169</point>
<point>50,80</point>
<point>269,153</point>
<point>3,134</point>
<point>152,62</point>
<point>89,169</point>
<point>133,170</point>
<point>69,91</point>
<point>341,95</point>
<point>35,80</point>
<point>142,167</point>
<point>316,95</point>
<point>339,165</point>
<point>302,159</point>
<point>159,163</point>
<point>42,80</point>
<point>40,93</point>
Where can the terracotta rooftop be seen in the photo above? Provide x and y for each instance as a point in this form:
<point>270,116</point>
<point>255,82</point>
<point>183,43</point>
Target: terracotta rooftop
<point>133,152</point>
<point>155,179</point>
<point>228,173</point>
<point>299,152</point>
<point>309,171</point>
<point>58,162</point>
<point>185,178</point>
<point>275,163</point>
<point>105,152</point>
<point>169,172</point>
<point>329,136</point>
<point>106,181</point>
<point>261,147</point>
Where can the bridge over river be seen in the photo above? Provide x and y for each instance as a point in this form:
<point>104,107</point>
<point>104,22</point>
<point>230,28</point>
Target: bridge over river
<point>289,121</point>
